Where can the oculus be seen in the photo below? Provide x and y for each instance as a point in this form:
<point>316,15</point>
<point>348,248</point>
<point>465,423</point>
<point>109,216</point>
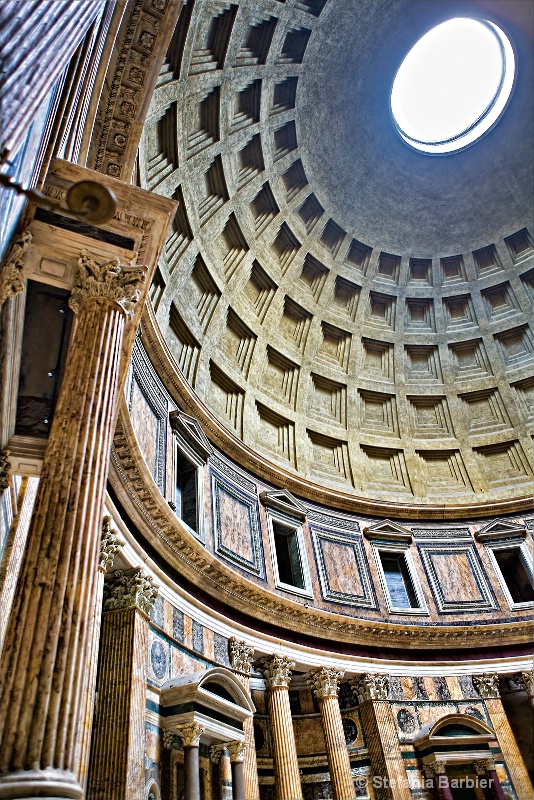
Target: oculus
<point>453,85</point>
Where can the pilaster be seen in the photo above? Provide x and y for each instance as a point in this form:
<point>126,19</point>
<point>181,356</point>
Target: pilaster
<point>116,768</point>
<point>381,734</point>
<point>487,685</point>
<point>241,656</point>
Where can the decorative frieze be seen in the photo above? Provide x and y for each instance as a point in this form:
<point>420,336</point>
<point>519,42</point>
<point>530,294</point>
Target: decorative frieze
<point>11,277</point>
<point>110,544</point>
<point>487,685</point>
<point>127,588</point>
<point>241,655</point>
<point>371,687</point>
<point>276,670</point>
<point>190,734</point>
<point>325,681</point>
<point>114,281</point>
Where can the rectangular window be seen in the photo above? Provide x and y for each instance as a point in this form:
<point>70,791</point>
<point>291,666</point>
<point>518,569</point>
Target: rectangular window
<point>186,491</point>
<point>398,581</point>
<point>514,569</point>
<point>289,560</point>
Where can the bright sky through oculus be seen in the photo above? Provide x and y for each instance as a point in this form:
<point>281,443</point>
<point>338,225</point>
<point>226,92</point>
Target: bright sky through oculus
<point>453,85</point>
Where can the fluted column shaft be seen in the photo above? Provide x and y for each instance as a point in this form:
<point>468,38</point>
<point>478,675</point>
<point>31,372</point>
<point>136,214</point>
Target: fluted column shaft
<point>44,663</point>
<point>286,768</point>
<point>241,659</point>
<point>336,749</point>
<point>488,688</point>
<point>381,735</point>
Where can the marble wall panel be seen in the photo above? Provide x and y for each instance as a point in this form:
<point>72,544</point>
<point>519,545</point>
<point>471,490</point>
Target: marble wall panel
<point>145,424</point>
<point>456,577</point>
<point>236,526</point>
<point>309,736</point>
<point>343,569</point>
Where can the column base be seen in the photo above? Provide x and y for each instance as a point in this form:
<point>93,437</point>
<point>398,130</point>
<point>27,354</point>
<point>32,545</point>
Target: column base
<point>55,784</point>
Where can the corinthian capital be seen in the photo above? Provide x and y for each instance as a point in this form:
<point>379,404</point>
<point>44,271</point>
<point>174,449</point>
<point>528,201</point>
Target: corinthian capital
<point>5,468</point>
<point>129,588</point>
<point>526,680</point>
<point>276,670</point>
<point>190,734</point>
<point>11,279</point>
<point>237,751</point>
<point>240,655</point>
<point>325,681</point>
<point>110,543</point>
<point>487,685</point>
<point>371,687</point>
<point>112,280</point>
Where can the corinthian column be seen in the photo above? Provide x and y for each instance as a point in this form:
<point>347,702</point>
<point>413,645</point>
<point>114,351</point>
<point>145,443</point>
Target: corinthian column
<point>44,666</point>
<point>241,656</point>
<point>237,755</point>
<point>325,687</point>
<point>381,734</point>
<point>277,673</point>
<point>526,680</point>
<point>487,685</point>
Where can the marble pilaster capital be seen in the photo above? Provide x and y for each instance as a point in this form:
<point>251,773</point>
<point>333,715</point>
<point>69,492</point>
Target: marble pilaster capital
<point>371,687</point>
<point>171,740</point>
<point>325,681</point>
<point>11,278</point>
<point>114,281</point>
<point>110,544</point>
<point>241,655</point>
<point>526,680</point>
<point>129,588</point>
<point>483,766</point>
<point>276,671</point>
<point>5,468</point>
<point>436,768</point>
<point>237,751</point>
<point>487,685</point>
<point>190,734</point>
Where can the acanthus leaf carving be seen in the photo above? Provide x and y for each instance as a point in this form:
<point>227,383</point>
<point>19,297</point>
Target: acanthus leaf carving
<point>325,681</point>
<point>11,278</point>
<point>371,687</point>
<point>241,655</point>
<point>487,685</point>
<point>110,544</point>
<point>112,280</point>
<point>190,734</point>
<point>276,670</point>
<point>129,588</point>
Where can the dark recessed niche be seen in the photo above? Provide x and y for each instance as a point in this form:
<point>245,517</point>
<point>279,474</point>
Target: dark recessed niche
<point>358,255</point>
<point>157,287</point>
<point>284,95</point>
<point>212,42</point>
<point>257,43</point>
<point>285,245</point>
<point>250,161</point>
<point>420,270</point>
<point>264,208</point>
<point>389,266</point>
<point>294,46</point>
<point>311,6</point>
<point>247,105</point>
<point>285,140</point>
<point>214,190</point>
<point>520,245</point>
<point>204,128</point>
<point>180,234</point>
<point>452,269</point>
<point>310,212</point>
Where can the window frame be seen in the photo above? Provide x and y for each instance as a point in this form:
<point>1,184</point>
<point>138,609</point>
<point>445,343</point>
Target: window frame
<point>402,549</point>
<point>198,463</point>
<point>297,528</point>
<point>525,557</point>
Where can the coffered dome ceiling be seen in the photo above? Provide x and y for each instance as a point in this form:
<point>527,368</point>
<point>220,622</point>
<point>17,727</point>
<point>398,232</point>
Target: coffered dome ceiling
<point>354,312</point>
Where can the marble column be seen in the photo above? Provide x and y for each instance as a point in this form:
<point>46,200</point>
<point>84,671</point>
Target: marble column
<point>438,772</point>
<point>486,768</point>
<point>277,673</point>
<point>116,767</point>
<point>190,735</point>
<point>241,656</point>
<point>237,756</point>
<point>110,544</point>
<point>381,734</point>
<point>44,664</point>
<point>220,754</point>
<point>324,682</point>
<point>487,686</point>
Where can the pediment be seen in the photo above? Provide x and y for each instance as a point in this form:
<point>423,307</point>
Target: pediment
<point>500,529</point>
<point>388,530</point>
<point>282,500</point>
<point>188,428</point>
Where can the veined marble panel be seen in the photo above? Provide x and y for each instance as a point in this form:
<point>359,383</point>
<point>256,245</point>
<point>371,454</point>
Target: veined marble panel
<point>456,577</point>
<point>343,569</point>
<point>236,526</point>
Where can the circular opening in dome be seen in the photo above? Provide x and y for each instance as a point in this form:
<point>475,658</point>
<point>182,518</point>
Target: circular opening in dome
<point>453,85</point>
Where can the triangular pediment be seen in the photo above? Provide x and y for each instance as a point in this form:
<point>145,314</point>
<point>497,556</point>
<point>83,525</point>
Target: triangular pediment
<point>188,429</point>
<point>388,530</point>
<point>282,500</point>
<point>500,529</point>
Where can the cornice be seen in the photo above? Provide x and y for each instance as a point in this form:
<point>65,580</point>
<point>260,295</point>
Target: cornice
<point>169,373</point>
<point>149,512</point>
